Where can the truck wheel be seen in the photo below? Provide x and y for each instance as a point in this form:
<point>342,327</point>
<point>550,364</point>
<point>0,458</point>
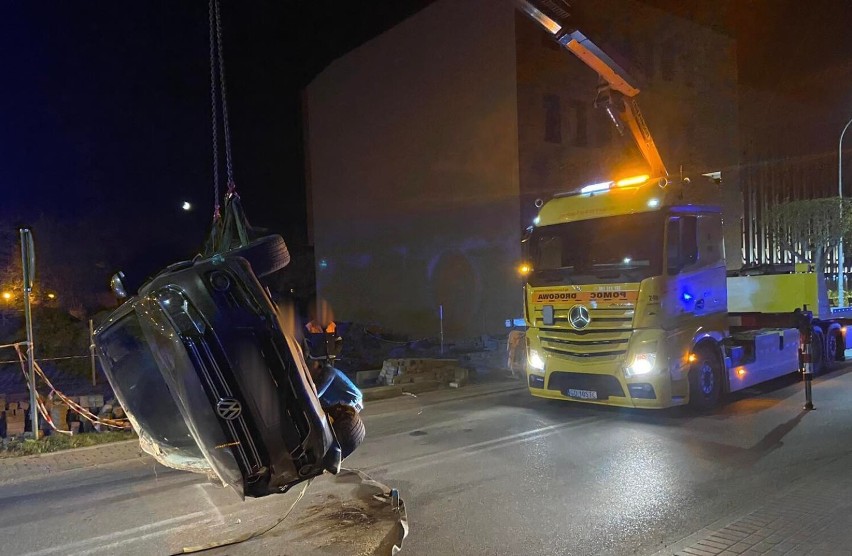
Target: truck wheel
<point>348,427</point>
<point>265,255</point>
<point>705,380</point>
<point>818,351</point>
<point>839,346</point>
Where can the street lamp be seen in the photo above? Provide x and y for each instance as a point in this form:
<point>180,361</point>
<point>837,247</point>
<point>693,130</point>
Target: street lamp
<point>841,299</point>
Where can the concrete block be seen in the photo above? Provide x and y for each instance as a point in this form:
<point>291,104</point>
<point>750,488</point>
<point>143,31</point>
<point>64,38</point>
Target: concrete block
<point>366,377</point>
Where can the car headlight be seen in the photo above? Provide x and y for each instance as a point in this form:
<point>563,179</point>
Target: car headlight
<point>642,364</point>
<point>535,360</point>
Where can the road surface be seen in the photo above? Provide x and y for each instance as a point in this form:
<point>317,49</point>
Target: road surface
<point>484,470</point>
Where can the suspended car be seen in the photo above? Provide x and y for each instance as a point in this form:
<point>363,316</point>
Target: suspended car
<point>213,382</point>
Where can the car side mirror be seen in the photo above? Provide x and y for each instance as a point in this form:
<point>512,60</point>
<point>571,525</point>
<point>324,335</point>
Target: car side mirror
<point>116,284</point>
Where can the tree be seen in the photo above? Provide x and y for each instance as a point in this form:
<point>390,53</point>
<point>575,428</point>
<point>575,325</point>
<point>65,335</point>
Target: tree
<point>808,229</point>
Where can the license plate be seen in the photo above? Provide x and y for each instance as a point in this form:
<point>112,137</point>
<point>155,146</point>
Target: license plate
<point>582,394</point>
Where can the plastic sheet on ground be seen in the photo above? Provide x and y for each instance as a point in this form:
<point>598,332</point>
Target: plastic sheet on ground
<point>348,514</point>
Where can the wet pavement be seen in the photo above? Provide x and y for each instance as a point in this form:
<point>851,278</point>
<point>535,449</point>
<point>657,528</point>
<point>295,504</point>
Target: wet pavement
<point>489,470</point>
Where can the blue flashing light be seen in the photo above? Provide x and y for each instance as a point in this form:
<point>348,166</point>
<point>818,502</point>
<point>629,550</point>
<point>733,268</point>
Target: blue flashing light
<point>323,264</point>
<point>536,220</point>
<point>686,297</point>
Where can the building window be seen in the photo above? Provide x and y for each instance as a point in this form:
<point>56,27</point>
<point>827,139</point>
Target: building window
<point>581,137</point>
<point>667,60</point>
<point>552,119</point>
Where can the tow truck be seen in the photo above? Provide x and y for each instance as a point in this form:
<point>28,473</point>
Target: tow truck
<point>627,298</point>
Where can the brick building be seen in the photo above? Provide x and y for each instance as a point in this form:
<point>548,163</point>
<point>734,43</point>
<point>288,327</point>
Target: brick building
<point>427,146</point>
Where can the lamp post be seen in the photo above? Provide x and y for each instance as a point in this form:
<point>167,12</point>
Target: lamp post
<point>841,299</point>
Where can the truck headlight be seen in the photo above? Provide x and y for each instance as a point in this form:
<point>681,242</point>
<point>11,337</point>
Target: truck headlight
<point>535,360</point>
<point>642,364</point>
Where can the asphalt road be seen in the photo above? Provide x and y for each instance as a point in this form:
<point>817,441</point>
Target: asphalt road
<point>483,470</point>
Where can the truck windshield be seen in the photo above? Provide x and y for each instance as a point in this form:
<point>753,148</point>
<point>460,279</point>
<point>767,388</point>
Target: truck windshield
<point>614,249</point>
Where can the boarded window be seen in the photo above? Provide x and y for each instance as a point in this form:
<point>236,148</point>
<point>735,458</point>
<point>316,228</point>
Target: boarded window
<point>552,119</point>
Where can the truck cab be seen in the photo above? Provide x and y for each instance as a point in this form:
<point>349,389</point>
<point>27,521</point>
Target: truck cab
<point>626,287</point>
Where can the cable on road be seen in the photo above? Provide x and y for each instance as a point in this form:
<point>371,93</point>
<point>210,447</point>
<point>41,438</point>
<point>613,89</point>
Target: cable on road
<point>248,536</point>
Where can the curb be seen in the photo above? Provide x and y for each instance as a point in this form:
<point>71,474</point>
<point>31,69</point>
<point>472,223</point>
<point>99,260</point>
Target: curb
<point>385,392</point>
<point>39,465</point>
<point>72,451</point>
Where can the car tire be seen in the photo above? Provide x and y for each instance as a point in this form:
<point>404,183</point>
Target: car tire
<point>265,255</point>
<point>348,428</point>
<point>705,379</point>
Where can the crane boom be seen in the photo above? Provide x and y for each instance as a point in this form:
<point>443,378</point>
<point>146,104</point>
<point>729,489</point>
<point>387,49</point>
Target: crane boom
<point>617,92</point>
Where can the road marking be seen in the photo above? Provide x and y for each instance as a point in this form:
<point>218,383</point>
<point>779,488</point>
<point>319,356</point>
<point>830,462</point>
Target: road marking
<point>417,462</point>
<point>109,548</point>
<point>220,517</point>
<point>83,544</point>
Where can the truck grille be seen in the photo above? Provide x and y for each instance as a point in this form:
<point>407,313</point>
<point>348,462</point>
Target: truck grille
<point>605,339</point>
<point>604,385</point>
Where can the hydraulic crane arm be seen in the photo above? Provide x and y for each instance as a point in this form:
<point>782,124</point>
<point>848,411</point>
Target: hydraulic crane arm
<point>617,92</point>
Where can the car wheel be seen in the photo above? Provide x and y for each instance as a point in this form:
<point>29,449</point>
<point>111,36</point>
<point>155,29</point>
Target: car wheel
<point>348,427</point>
<point>265,255</point>
<point>818,351</point>
<point>705,380</point>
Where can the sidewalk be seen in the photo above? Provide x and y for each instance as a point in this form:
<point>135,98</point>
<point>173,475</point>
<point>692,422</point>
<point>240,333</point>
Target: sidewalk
<point>814,518</point>
<point>811,515</point>
<point>31,467</point>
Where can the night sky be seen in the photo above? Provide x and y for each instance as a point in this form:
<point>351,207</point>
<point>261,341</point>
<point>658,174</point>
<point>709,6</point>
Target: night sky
<point>106,105</point>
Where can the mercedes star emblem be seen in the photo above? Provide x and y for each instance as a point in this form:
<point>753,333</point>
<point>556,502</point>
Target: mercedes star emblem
<point>229,408</point>
<point>579,317</point>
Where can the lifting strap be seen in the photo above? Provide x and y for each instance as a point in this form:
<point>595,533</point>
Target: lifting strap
<point>230,228</point>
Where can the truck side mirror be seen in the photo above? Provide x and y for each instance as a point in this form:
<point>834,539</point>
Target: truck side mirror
<point>525,243</point>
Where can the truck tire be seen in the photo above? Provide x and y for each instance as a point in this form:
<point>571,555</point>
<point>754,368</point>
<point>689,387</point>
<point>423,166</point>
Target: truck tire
<point>705,379</point>
<point>839,345</point>
<point>265,255</point>
<point>818,351</point>
<point>348,427</point>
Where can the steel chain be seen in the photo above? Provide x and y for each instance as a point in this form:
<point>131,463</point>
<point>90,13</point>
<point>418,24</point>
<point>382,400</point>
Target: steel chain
<point>214,109</point>
<point>225,124</point>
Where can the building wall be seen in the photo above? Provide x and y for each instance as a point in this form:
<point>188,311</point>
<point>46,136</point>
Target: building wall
<point>413,166</point>
<point>688,78</point>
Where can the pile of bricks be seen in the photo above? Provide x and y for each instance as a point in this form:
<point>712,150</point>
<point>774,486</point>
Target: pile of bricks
<point>406,371</point>
<point>15,416</point>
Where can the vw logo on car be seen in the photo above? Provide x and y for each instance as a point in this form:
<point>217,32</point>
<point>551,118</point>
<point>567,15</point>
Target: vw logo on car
<point>228,408</point>
<point>579,317</point>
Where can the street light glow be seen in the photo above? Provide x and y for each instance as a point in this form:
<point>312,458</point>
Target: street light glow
<point>51,296</point>
<point>7,296</point>
<point>186,205</point>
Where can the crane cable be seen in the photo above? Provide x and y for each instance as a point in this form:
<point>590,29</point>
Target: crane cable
<point>218,100</point>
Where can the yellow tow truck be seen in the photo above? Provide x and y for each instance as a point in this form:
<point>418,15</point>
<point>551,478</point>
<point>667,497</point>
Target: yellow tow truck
<point>627,297</point>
